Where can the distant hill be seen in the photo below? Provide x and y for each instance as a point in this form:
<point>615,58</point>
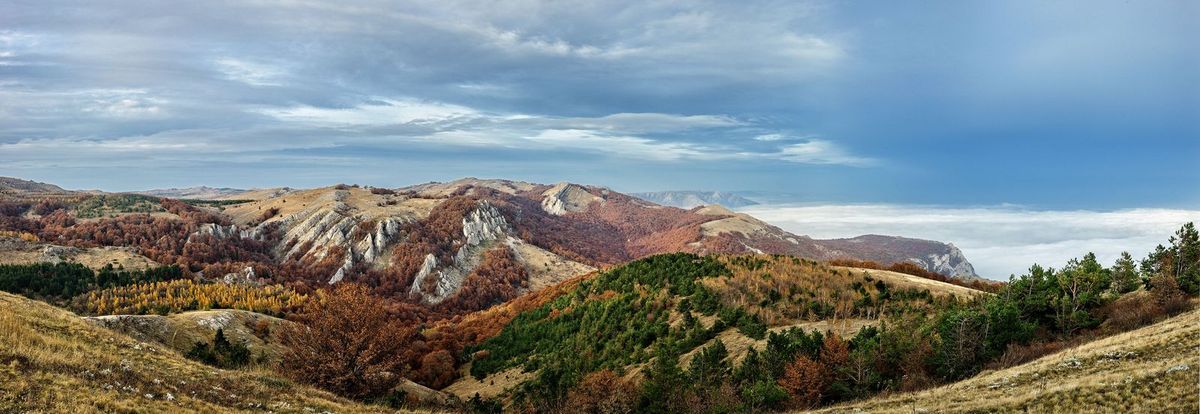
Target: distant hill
<point>17,185</point>
<point>693,199</point>
<point>195,193</point>
<point>934,256</point>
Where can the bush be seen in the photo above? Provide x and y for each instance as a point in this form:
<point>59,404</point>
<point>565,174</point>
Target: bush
<point>602,392</point>
<point>764,394</point>
<point>262,328</point>
<point>1131,311</point>
<point>1168,295</point>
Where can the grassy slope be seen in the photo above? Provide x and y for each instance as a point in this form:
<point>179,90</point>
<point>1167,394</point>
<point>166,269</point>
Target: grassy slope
<point>53,361</point>
<point>1137,371</point>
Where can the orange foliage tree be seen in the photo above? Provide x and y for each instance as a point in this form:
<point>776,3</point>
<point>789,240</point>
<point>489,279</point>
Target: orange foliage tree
<point>347,344</point>
<point>805,381</point>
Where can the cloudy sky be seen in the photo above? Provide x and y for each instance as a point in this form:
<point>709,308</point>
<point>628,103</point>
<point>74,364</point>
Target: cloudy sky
<point>1062,105</point>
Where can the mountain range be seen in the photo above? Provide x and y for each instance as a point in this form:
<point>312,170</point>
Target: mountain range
<point>555,231</point>
<point>693,199</point>
<point>486,294</point>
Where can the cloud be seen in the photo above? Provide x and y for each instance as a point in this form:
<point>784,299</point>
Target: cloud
<point>378,111</point>
<point>252,73</point>
<point>998,240</point>
<point>621,135</point>
<point>816,151</point>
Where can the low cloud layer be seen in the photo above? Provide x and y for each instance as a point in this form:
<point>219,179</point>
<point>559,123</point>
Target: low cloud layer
<point>1000,240</point>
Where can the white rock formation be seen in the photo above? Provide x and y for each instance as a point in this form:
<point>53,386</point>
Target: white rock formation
<point>564,197</point>
<point>481,227</point>
<point>952,263</point>
<point>225,232</point>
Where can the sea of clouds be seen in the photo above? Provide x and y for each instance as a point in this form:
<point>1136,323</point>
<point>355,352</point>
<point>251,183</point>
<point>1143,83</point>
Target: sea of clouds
<point>998,240</point>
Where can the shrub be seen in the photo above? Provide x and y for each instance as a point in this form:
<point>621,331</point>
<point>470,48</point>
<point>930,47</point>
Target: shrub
<point>1130,312</point>
<point>764,394</point>
<point>221,353</point>
<point>1168,295</point>
<point>602,392</point>
<point>262,328</point>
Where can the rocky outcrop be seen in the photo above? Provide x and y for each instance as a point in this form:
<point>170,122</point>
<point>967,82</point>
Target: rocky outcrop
<point>56,254</point>
<point>373,248</point>
<point>950,263</point>
<point>565,197</point>
<point>482,226</point>
<point>225,232</point>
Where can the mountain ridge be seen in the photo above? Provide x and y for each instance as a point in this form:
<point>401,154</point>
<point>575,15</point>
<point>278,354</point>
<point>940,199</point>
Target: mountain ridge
<point>687,199</point>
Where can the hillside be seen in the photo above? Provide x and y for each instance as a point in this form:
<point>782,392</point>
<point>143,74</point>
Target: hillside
<point>12,185</point>
<point>53,361</point>
<point>934,256</point>
<point>684,303</point>
<point>693,199</point>
<point>1152,369</point>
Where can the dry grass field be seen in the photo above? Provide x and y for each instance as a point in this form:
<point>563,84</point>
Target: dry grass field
<point>1155,369</point>
<point>52,361</point>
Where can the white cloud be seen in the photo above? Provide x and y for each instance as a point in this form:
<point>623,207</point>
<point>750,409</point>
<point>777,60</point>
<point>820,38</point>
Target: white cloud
<point>120,104</point>
<point>378,112</point>
<point>816,151</point>
<point>626,146</point>
<point>1000,240</point>
<point>123,103</point>
<point>642,122</point>
<point>253,73</point>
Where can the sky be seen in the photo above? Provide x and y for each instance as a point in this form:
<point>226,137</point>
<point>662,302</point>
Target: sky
<point>1047,105</point>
